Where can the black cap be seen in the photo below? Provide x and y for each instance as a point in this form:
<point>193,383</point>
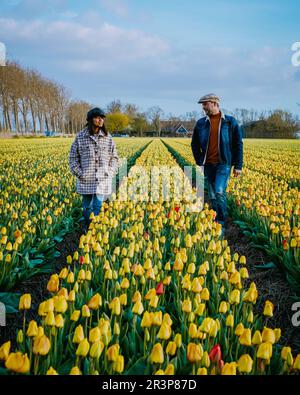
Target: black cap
<point>95,112</point>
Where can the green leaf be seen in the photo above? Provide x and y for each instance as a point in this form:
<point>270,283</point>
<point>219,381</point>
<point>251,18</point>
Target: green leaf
<point>11,301</point>
<point>140,367</point>
<point>269,265</point>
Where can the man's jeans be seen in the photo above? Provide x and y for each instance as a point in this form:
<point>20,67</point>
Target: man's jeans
<point>91,203</point>
<point>216,178</point>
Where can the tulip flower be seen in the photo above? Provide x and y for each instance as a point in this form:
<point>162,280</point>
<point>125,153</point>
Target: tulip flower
<point>138,308</point>
<point>32,329</point>
<point>25,302</point>
<point>245,337</point>
<point>53,283</point>
<point>118,365</point>
<point>215,354</point>
<point>95,302</point>
<point>96,349</point>
<point>257,338</point>
<point>51,372</point>
<point>146,320</point>
<point>264,351</point>
<point>83,348</point>
<point>75,371</point>
<point>268,309</point>
<point>18,363</point>
<point>268,335</point>
<point>157,354</point>
<point>245,364</point>
<point>229,369</point>
<point>41,345</point>
<point>159,289</point>
<point>171,348</point>
<point>194,352</point>
<point>4,351</point>
<point>94,334</point>
<point>296,365</point>
<point>164,332</point>
<point>202,372</point>
<point>113,352</point>
<point>78,334</point>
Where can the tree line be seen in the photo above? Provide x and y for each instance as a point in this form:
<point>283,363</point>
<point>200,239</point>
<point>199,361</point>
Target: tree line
<point>33,104</point>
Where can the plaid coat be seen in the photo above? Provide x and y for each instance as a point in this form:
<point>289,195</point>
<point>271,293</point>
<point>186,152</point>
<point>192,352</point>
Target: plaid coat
<point>94,161</point>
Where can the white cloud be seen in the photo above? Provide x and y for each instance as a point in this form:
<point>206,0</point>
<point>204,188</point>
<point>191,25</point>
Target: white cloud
<point>89,55</point>
<point>118,7</point>
<point>103,41</point>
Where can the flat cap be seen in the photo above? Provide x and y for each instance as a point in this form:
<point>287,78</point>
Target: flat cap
<point>209,97</point>
<point>95,112</point>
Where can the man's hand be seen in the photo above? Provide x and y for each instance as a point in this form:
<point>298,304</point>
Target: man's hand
<point>237,172</point>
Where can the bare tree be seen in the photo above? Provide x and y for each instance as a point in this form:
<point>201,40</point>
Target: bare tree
<point>155,114</point>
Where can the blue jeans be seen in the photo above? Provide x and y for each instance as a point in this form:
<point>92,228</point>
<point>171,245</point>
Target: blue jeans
<point>216,177</point>
<point>91,203</point>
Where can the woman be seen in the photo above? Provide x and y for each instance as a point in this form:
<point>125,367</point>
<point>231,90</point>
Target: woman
<point>94,161</point>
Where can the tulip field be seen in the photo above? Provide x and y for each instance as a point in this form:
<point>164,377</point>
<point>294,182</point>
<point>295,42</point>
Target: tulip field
<point>153,287</point>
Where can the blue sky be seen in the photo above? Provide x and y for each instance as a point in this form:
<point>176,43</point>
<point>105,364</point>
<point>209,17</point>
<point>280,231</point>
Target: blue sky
<point>160,52</point>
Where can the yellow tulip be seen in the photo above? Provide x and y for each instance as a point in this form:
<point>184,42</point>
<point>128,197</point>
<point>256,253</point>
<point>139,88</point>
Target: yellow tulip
<point>264,351</point>
<point>95,302</point>
<point>118,365</point>
<point>115,306</point>
<point>146,320</point>
<point>257,339</point>
<point>245,337</point>
<point>51,372</point>
<point>234,297</point>
<point>41,345</point>
<point>178,340</point>
<point>4,351</point>
<point>113,352</point>
<point>96,349</point>
<point>268,335</point>
<point>229,369</point>
<point>32,329</point>
<point>194,352</point>
<point>25,302</point>
<point>230,320</point>
<point>59,321</point>
<point>18,363</point>
<point>164,332</point>
<point>94,334</point>
<point>157,354</point>
<point>75,315</point>
<point>78,334</point>
<point>83,348</point>
<point>268,309</point>
<point>75,371</point>
<point>245,364</point>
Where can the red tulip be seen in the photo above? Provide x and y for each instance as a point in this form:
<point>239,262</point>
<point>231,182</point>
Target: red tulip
<point>177,208</point>
<point>81,260</point>
<point>160,288</point>
<point>215,354</point>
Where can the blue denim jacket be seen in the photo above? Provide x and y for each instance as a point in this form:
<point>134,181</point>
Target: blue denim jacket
<point>230,141</point>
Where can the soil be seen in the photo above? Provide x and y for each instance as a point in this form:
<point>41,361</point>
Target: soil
<point>37,287</point>
<point>271,285</point>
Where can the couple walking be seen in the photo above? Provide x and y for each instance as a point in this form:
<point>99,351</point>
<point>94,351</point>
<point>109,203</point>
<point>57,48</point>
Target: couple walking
<point>216,144</point>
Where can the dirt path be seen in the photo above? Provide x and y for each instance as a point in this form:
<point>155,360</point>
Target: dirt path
<point>37,287</point>
<point>270,283</point>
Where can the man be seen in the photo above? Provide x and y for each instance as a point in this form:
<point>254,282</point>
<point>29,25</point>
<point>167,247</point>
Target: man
<point>217,145</point>
<point>94,161</point>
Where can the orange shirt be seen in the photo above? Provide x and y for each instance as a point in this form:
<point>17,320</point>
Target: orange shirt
<point>212,151</point>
